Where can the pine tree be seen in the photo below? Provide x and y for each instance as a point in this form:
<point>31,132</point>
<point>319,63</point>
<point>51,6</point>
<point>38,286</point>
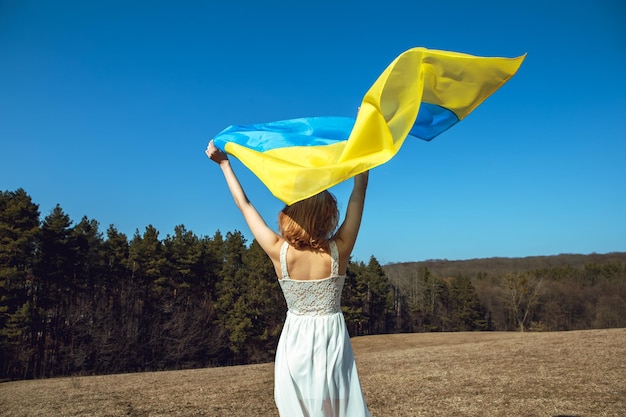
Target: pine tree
<point>265,303</point>
<point>192,337</point>
<point>88,277</point>
<point>232,307</point>
<point>55,291</point>
<point>354,299</point>
<point>19,231</point>
<point>466,311</point>
<point>379,297</point>
<point>114,326</point>
<point>149,281</point>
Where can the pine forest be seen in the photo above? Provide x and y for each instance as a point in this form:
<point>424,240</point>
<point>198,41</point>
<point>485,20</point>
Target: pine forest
<point>78,300</point>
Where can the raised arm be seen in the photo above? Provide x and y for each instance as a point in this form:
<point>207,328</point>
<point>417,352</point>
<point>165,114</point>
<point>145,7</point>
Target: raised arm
<point>267,238</point>
<point>349,229</point>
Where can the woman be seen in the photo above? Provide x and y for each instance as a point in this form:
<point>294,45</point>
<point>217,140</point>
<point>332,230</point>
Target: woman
<point>315,372</point>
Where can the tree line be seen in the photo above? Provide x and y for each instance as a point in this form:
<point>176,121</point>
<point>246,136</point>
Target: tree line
<point>76,300</point>
<point>553,293</point>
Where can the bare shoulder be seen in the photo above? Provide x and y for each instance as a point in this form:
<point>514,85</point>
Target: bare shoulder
<point>273,250</point>
<point>303,264</point>
<point>345,250</point>
<point>343,247</point>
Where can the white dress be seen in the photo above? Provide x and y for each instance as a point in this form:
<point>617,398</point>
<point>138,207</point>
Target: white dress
<point>315,372</point>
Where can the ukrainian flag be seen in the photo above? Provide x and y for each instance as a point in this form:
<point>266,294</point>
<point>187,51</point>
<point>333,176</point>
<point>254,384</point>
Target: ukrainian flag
<point>422,93</point>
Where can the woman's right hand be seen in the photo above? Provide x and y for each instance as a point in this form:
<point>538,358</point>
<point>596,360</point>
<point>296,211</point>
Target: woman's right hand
<point>362,178</point>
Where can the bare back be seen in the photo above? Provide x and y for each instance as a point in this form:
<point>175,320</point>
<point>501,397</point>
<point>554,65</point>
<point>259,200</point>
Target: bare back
<point>307,265</point>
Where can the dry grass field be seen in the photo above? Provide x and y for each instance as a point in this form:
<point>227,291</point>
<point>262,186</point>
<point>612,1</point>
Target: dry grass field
<point>580,374</point>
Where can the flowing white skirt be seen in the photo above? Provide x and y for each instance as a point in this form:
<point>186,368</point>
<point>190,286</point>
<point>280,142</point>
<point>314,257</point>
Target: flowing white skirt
<point>315,372</point>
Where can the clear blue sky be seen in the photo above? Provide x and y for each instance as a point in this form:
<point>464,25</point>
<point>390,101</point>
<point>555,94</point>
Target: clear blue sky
<point>106,109</point>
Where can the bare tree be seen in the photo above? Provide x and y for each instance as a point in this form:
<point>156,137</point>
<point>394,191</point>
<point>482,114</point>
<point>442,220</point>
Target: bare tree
<point>520,292</point>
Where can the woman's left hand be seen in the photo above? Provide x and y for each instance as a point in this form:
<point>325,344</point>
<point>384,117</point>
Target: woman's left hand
<point>215,154</point>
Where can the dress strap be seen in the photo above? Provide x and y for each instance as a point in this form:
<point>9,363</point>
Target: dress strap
<point>283,259</point>
<point>334,256</point>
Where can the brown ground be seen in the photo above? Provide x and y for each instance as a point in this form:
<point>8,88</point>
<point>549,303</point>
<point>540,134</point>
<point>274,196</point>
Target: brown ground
<point>581,374</point>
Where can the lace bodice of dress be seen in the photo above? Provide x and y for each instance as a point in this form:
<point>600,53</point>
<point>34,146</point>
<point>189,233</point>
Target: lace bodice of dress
<point>315,297</point>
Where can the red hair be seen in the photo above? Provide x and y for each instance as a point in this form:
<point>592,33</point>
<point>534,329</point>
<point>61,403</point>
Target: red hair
<point>310,224</point>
